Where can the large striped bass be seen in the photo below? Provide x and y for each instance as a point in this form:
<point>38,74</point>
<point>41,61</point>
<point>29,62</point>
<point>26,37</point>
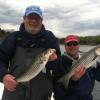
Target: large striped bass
<point>36,66</point>
<point>87,60</point>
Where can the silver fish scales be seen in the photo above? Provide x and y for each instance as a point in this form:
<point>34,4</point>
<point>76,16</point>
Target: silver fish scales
<point>35,67</point>
<point>87,60</point>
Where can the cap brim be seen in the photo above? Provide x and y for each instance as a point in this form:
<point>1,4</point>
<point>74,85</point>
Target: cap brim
<point>71,41</point>
<point>33,12</point>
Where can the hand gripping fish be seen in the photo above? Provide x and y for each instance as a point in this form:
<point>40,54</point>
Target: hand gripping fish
<point>35,68</point>
<point>88,59</point>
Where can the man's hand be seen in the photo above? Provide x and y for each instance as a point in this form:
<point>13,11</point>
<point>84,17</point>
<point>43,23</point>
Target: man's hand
<point>79,72</point>
<point>53,57</point>
<point>9,82</point>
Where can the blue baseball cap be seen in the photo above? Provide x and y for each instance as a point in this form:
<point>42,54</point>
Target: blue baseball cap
<point>33,9</point>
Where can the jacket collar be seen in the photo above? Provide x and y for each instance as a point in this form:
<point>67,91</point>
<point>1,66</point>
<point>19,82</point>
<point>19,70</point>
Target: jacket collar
<point>65,53</point>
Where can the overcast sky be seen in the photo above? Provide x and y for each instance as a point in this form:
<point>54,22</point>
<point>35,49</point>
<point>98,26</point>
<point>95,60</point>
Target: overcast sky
<point>62,17</point>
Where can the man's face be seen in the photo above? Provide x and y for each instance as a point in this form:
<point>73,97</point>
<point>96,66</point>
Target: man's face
<point>33,23</point>
<point>72,47</point>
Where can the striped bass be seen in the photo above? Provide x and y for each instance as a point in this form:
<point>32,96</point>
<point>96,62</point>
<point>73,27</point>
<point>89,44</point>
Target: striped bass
<point>87,59</point>
<point>36,66</point>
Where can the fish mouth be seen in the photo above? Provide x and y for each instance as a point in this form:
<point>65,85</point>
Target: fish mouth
<point>52,50</point>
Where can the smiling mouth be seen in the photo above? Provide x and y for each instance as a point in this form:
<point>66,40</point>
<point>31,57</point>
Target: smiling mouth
<point>33,25</point>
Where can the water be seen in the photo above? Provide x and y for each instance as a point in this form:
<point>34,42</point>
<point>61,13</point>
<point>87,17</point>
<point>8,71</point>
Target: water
<point>96,90</point>
<point>1,90</point>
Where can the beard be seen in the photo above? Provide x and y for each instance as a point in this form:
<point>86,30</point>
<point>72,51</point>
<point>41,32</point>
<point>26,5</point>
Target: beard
<point>33,30</point>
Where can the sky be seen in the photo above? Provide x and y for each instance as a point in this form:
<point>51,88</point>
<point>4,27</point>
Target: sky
<point>62,17</point>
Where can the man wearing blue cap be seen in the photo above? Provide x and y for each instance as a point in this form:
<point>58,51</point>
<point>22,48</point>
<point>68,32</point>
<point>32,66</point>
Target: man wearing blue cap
<point>19,49</point>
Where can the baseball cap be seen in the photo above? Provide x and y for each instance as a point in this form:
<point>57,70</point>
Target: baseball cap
<point>33,9</point>
<point>71,38</point>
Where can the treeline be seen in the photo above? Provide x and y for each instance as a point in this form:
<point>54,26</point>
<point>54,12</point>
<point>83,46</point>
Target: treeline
<point>2,33</point>
<point>86,40</point>
<point>90,40</point>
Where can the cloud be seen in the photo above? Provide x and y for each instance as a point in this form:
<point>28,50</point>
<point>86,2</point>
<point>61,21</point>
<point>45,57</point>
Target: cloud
<point>8,14</point>
<point>81,17</point>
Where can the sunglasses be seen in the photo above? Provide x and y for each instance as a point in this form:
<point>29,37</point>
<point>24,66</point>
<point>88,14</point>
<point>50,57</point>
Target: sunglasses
<point>34,16</point>
<point>72,44</point>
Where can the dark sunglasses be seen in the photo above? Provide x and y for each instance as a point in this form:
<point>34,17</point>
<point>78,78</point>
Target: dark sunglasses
<point>34,16</point>
<point>72,44</point>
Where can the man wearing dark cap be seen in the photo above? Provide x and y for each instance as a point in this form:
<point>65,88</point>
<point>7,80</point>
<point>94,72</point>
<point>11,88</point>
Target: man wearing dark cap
<point>17,52</point>
<point>82,82</point>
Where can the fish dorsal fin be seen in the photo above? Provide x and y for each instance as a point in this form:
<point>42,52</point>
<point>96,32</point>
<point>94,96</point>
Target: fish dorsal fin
<point>97,51</point>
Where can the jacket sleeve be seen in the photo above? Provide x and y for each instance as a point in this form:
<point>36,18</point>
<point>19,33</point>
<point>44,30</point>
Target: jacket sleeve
<point>55,66</point>
<point>53,43</point>
<point>97,71</point>
<point>6,50</point>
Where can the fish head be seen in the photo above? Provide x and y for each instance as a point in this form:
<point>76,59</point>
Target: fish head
<point>48,53</point>
<point>51,51</point>
<point>97,51</point>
